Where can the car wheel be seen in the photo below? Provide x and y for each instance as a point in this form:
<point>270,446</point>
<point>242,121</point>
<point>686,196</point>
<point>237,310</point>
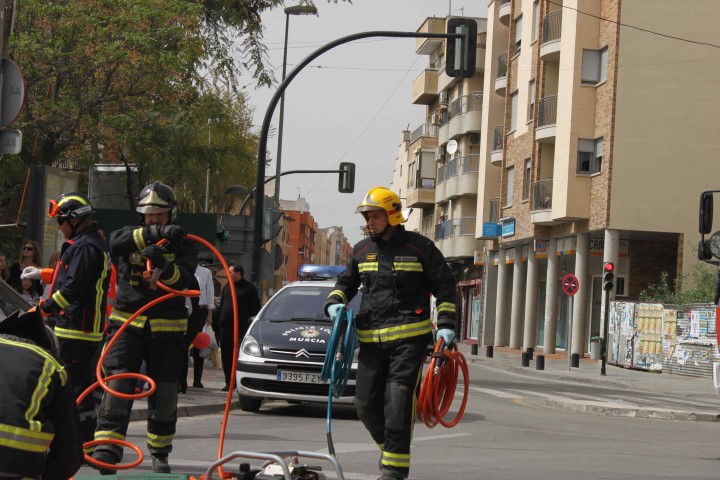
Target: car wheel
<point>249,404</point>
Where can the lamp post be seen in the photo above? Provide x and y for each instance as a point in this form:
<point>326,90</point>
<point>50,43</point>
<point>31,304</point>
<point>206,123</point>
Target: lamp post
<point>305,7</point>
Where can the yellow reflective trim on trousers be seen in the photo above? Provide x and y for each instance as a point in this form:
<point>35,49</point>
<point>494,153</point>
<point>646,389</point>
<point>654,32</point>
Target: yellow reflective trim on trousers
<point>123,317</point>
<point>446,307</point>
<point>407,267</point>
<point>25,439</point>
<point>175,276</point>
<point>60,300</point>
<point>40,392</point>
<point>107,434</point>
<point>77,334</point>
<point>396,459</point>
<point>395,333</point>
<point>168,325</point>
<point>160,441</point>
<point>139,239</point>
<point>340,294</point>
<point>368,267</point>
<point>99,314</point>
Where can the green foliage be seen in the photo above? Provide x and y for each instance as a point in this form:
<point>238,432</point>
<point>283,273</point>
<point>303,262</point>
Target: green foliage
<point>698,286</point>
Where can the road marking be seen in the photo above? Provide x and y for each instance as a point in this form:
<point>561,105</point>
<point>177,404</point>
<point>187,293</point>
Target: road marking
<point>494,393</point>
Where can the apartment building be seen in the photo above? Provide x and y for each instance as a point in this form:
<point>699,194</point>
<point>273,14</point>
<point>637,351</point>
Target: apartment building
<point>597,131</point>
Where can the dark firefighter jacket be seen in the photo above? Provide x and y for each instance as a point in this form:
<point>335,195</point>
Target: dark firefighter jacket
<point>248,303</point>
<point>80,285</point>
<point>398,278</point>
<point>39,422</point>
<point>168,317</point>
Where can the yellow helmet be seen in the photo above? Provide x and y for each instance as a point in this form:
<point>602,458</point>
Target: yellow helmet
<point>381,198</point>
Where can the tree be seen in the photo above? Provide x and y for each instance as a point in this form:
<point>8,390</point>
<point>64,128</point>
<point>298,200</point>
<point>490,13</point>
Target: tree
<point>698,286</point>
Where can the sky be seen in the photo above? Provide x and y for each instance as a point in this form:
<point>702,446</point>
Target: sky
<point>350,104</point>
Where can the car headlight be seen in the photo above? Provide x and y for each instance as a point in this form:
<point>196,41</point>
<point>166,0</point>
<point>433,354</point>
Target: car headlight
<point>250,346</point>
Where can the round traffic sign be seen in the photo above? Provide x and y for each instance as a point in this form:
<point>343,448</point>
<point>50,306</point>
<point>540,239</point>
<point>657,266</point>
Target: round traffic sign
<point>570,284</point>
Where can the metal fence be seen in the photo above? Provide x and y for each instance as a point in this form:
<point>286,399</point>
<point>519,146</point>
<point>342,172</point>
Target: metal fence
<point>459,166</point>
<point>502,65</point>
<point>424,131</point>
<point>552,26</point>
<point>494,213</point>
<point>455,227</point>
<point>498,138</point>
<point>466,103</point>
<point>542,195</point>
<point>547,111</point>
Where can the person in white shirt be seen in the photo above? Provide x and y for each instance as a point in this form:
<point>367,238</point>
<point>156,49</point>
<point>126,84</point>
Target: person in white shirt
<point>207,305</point>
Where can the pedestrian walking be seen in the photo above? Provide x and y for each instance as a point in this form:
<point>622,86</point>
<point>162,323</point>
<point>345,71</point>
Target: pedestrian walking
<point>398,271</point>
<point>39,423</point>
<point>75,306</point>
<point>157,336</point>
<point>248,305</point>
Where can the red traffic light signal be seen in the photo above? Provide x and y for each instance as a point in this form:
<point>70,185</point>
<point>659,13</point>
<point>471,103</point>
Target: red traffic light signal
<point>608,276</point>
<point>609,267</point>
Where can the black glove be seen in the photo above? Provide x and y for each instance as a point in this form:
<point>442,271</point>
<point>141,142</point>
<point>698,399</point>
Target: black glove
<point>154,233</point>
<point>155,255</point>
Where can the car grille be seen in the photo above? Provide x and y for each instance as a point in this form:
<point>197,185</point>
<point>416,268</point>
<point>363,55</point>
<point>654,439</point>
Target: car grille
<point>292,388</point>
<point>299,354</point>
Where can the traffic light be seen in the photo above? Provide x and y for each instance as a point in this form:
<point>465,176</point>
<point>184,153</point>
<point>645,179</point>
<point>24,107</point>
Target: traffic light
<point>346,180</point>
<point>608,275</point>
<point>271,224</point>
<point>461,53</point>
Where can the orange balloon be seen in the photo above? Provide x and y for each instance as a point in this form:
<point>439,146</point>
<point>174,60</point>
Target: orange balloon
<point>202,340</point>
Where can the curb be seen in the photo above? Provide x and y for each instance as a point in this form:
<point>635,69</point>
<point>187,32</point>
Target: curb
<point>187,410</point>
<point>617,410</point>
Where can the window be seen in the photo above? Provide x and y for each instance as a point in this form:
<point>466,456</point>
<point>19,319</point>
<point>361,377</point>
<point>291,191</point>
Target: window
<point>590,153</point>
<point>526,179</point>
<point>518,34</point>
<point>531,101</point>
<point>513,111</point>
<point>594,66</point>
<point>510,181</point>
<point>536,20</point>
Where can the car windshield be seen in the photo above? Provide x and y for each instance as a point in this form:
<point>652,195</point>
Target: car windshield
<point>10,301</point>
<point>301,303</point>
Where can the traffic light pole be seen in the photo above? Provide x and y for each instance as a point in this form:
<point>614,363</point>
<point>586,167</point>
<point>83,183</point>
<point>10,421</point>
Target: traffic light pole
<point>606,331</point>
<point>265,130</point>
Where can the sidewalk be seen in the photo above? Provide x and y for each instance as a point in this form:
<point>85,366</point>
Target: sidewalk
<point>635,382</point>
<point>202,401</point>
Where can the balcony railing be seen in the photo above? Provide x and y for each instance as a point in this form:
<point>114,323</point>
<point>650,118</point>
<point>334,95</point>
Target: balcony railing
<point>542,195</point>
<point>552,26</point>
<point>498,138</point>
<point>467,103</point>
<point>418,181</point>
<point>494,210</point>
<point>455,227</point>
<point>502,65</point>
<point>424,131</point>
<point>459,166</point>
<point>547,111</point>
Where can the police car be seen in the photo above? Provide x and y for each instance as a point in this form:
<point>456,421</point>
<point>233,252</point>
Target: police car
<point>283,352</point>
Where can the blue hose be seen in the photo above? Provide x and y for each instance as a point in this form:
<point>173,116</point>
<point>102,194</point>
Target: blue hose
<point>338,362</point>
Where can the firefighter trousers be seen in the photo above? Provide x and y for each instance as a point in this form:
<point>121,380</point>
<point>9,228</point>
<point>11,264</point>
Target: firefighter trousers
<point>162,357</point>
<point>385,397</point>
<point>80,358</point>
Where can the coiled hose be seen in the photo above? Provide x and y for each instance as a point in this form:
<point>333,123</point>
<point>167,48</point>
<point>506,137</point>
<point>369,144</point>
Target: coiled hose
<point>439,384</point>
<point>338,363</point>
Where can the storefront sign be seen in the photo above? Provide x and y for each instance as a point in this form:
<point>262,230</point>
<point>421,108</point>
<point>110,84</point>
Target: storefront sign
<point>490,229</point>
<point>508,227</point>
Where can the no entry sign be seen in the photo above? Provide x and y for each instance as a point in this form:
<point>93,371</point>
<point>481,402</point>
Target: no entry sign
<point>570,284</point>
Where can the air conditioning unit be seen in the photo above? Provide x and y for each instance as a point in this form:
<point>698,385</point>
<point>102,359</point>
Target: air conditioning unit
<point>474,139</point>
<point>443,97</point>
<point>434,119</point>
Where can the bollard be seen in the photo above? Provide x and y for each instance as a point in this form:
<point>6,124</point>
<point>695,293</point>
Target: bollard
<point>489,351</point>
<point>525,359</point>
<point>530,351</point>
<point>540,362</point>
<point>474,349</point>
<point>575,360</point>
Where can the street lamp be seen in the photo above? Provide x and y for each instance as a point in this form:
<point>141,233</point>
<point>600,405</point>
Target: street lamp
<point>305,7</point>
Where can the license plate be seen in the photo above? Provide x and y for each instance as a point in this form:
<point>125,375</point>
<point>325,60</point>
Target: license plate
<point>298,377</point>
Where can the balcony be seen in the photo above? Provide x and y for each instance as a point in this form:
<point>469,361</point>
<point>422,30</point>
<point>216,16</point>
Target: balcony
<point>504,12</point>
<point>421,192</point>
<point>496,156</point>
<point>541,211</point>
<point>465,114</point>
<point>456,237</point>
<point>547,118</point>
<point>550,42</point>
<point>426,46</point>
<point>501,78</point>
<point>425,87</point>
<point>423,131</point>
<point>459,176</point>
<point>494,210</point>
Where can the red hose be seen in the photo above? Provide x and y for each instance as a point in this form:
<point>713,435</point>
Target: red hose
<point>102,382</point>
<point>438,387</point>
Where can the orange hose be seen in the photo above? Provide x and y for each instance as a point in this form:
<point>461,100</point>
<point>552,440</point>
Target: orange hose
<point>438,387</point>
<point>102,382</point>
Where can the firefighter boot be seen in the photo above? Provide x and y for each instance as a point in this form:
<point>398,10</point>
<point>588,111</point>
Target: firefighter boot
<point>105,456</point>
<point>160,464</point>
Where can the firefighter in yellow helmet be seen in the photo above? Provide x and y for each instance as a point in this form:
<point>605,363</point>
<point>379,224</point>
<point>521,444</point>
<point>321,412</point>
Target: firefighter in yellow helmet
<point>399,271</point>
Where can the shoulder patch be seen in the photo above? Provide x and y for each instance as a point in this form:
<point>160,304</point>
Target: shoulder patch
<point>371,257</point>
